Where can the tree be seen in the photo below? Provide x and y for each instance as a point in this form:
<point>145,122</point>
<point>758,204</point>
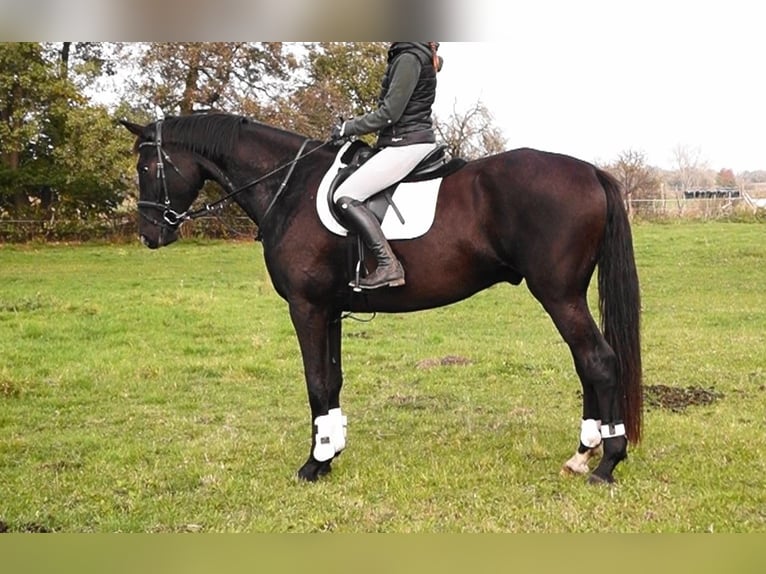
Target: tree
<point>56,152</point>
<point>725,178</point>
<point>95,158</point>
<point>638,179</point>
<point>34,99</point>
<point>181,77</point>
<point>691,168</point>
<point>340,80</point>
<point>471,135</point>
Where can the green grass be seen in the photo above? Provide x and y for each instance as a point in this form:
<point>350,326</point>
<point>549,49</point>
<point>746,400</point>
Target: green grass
<point>162,391</point>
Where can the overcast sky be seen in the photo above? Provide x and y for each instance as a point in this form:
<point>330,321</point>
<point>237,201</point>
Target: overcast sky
<point>617,76</point>
<point>590,78</point>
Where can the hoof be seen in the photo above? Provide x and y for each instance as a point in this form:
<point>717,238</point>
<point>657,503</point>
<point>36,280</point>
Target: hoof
<point>595,479</point>
<point>578,464</point>
<point>572,469</point>
<point>313,470</point>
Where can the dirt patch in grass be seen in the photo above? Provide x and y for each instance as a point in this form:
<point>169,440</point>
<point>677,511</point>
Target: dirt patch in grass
<point>29,527</point>
<point>9,389</point>
<point>442,362</point>
<point>677,399</point>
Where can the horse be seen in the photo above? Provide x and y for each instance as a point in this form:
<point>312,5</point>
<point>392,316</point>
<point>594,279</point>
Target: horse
<point>521,215</point>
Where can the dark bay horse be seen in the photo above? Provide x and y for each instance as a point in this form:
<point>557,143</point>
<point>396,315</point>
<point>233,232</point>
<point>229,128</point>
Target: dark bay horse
<point>544,218</point>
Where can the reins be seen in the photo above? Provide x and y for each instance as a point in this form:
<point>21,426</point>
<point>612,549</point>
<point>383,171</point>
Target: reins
<point>217,204</point>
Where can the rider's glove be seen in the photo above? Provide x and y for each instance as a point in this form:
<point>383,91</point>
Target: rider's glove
<point>337,132</point>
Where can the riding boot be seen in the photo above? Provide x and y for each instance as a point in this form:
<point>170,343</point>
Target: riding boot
<point>389,272</point>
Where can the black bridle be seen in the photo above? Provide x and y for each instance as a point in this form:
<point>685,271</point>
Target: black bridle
<point>172,219</point>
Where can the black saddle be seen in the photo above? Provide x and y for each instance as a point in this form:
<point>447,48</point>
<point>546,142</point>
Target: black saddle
<point>435,164</point>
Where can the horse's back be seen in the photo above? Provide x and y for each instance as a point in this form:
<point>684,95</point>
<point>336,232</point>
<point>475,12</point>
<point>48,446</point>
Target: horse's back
<point>534,208</point>
<point>529,187</point>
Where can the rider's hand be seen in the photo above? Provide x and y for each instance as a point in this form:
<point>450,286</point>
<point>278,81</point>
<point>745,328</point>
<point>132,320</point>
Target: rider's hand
<point>337,132</point>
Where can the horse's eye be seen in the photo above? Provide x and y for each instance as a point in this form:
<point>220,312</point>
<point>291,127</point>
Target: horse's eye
<point>144,169</point>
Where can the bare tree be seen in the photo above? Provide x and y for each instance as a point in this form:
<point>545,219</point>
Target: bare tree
<point>692,171</point>
<point>638,179</point>
<point>472,134</point>
<point>690,165</point>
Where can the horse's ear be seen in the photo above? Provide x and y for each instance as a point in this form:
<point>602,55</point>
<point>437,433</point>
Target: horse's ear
<point>135,129</point>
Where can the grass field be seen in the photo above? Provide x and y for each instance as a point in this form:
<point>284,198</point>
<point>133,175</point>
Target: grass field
<point>162,391</point>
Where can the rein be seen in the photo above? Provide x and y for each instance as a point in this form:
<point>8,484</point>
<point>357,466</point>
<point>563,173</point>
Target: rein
<point>174,219</point>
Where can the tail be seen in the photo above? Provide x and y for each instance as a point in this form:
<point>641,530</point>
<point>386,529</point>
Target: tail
<point>620,304</point>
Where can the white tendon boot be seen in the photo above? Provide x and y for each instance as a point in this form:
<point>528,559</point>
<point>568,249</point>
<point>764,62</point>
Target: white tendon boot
<point>339,429</point>
<point>330,437</point>
<point>590,433</point>
<point>323,448</point>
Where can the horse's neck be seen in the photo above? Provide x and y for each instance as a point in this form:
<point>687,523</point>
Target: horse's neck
<point>271,152</point>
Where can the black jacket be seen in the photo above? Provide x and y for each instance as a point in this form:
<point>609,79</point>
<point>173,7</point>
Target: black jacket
<point>406,97</point>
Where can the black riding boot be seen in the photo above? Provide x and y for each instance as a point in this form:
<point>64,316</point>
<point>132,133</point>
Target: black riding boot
<point>389,272</point>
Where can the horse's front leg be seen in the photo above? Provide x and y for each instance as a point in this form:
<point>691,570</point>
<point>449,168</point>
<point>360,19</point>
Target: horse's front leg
<point>313,326</point>
<point>335,383</point>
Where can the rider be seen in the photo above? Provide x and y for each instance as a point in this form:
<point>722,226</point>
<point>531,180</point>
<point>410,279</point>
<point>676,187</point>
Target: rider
<point>405,136</point>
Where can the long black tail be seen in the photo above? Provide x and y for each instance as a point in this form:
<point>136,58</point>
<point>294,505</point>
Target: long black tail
<point>620,304</point>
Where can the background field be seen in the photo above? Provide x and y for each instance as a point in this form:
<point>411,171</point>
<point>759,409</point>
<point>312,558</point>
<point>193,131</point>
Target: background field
<point>162,391</point>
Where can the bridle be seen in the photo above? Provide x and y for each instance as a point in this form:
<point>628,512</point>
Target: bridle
<point>171,219</point>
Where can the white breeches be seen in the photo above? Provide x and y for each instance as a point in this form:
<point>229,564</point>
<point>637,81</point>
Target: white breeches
<point>387,167</point>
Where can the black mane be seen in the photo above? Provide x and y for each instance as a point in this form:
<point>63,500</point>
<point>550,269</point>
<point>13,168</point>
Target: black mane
<point>213,135</point>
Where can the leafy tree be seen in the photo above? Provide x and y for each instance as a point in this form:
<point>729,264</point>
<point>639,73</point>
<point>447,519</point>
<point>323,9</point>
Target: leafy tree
<point>33,101</point>
<point>340,80</point>
<point>725,178</point>
<point>181,77</point>
<point>56,153</point>
<point>95,158</point>
<point>83,63</point>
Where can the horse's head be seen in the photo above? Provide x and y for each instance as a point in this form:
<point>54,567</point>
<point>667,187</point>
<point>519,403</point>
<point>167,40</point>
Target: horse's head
<point>169,180</point>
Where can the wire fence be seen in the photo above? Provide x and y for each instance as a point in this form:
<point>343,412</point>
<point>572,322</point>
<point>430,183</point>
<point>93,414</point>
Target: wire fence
<point>239,227</point>
<point>118,229</point>
<point>695,208</point>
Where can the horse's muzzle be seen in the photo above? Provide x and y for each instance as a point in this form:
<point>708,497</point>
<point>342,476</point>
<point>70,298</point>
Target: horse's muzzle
<point>163,236</point>
<point>151,244</point>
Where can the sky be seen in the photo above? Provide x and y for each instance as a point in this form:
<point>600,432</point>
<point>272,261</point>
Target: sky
<point>595,79</point>
<point>589,78</point>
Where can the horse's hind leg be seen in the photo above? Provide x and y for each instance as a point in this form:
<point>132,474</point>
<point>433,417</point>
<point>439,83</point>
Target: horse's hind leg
<point>591,445</point>
<point>596,366</point>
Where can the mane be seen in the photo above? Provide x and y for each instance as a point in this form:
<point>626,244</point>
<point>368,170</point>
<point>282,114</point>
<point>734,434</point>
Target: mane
<point>213,135</point>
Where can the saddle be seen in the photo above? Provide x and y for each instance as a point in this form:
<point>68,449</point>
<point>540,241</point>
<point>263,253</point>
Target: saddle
<point>436,164</point>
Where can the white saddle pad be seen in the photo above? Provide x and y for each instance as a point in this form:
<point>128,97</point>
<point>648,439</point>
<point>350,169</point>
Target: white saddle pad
<point>416,202</point>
